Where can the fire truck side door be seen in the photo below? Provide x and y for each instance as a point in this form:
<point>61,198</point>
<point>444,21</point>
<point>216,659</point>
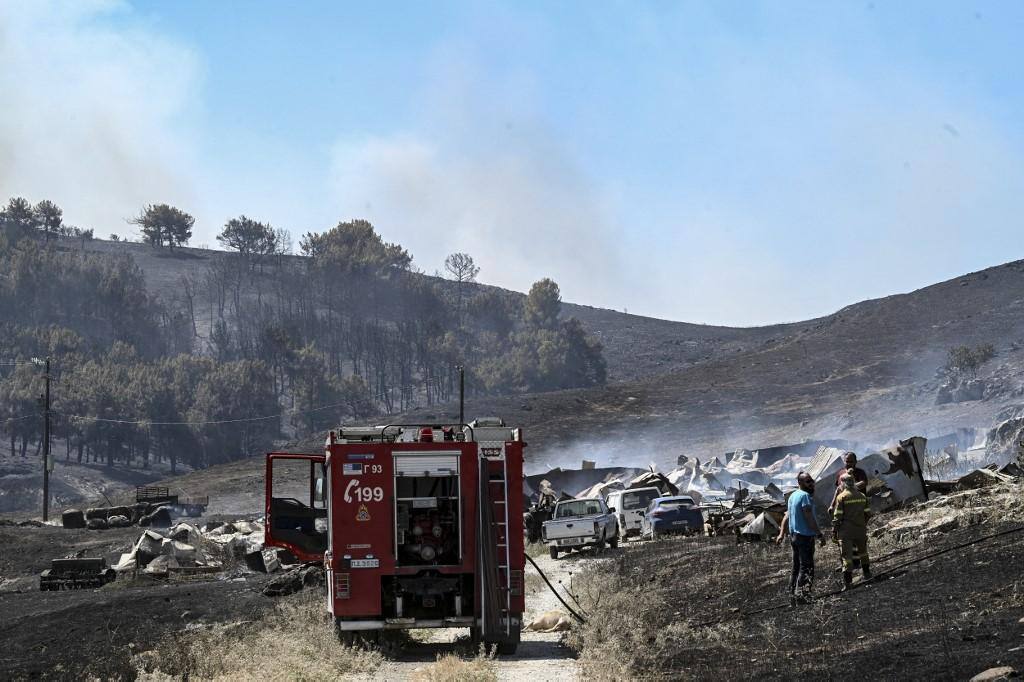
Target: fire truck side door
<point>296,512</point>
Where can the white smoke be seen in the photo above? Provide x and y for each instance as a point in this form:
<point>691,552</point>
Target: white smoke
<point>97,114</point>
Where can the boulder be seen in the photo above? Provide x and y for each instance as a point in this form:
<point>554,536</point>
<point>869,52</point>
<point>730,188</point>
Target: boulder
<point>119,521</point>
<point>140,509</point>
<point>96,513</point>
<point>119,511</point>
<point>96,524</point>
<point>211,526</point>
<point>969,390</point>
<point>161,518</point>
<point>73,518</point>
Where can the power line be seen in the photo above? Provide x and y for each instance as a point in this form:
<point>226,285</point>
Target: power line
<point>15,419</point>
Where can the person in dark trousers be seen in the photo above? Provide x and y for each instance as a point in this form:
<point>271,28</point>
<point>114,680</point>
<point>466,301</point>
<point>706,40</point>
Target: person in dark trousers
<point>801,525</point>
<point>860,477</point>
<point>850,527</point>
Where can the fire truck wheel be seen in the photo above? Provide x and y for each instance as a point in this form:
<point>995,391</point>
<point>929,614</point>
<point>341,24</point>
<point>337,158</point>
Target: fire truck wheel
<point>554,552</point>
<point>507,647</point>
<point>614,542</point>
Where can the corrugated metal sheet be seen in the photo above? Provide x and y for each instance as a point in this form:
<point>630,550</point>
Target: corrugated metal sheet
<point>822,460</point>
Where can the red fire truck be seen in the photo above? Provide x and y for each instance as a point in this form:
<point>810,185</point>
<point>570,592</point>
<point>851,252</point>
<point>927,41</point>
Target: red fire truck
<point>418,526</point>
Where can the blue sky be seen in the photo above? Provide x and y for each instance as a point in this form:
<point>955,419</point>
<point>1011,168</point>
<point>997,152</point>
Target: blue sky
<point>736,162</point>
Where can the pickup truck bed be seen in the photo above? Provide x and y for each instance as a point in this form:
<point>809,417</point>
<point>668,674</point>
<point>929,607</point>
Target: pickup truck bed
<point>576,524</point>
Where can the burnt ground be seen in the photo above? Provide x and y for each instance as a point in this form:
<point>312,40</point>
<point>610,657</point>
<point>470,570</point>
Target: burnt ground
<point>677,609</point>
<point>94,633</point>
<point>75,634</point>
<point>71,634</point>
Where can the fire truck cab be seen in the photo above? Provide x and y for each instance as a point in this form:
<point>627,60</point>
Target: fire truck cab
<point>414,523</point>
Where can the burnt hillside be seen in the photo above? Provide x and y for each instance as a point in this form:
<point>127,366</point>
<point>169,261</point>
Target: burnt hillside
<point>634,346</point>
<point>867,372</point>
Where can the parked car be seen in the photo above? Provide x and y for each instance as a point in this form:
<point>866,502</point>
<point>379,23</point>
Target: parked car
<point>678,514</point>
<point>630,506</point>
<point>576,524</point>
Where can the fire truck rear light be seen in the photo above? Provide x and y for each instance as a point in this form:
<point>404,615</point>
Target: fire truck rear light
<point>342,585</point>
<point>516,583</point>
<point>426,435</point>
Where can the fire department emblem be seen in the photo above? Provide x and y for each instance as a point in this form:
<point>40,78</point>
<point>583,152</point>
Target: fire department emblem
<point>363,514</point>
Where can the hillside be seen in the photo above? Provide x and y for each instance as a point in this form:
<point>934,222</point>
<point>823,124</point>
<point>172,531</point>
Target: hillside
<point>865,373</point>
<point>634,346</point>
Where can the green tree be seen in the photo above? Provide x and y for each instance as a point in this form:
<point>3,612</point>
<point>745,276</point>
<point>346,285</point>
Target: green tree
<point>964,361</point>
<point>312,388</point>
<point>48,216</point>
<point>162,224</point>
<point>20,214</point>
<point>543,304</point>
<point>253,240</point>
<point>354,247</point>
<point>239,396</point>
<point>356,395</point>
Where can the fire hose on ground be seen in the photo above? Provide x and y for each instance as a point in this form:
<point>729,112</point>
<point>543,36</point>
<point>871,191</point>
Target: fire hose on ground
<point>551,587</point>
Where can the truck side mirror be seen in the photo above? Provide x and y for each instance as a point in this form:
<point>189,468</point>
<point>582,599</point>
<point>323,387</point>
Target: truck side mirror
<point>611,510</point>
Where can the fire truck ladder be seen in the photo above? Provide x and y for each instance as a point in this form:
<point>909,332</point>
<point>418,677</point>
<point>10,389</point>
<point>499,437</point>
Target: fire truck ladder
<point>495,559</point>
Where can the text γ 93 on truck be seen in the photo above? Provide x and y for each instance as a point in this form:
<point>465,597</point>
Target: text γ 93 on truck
<point>418,526</point>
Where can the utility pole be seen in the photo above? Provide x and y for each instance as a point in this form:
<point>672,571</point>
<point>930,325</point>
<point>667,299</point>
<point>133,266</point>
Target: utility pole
<point>47,463</point>
<point>462,394</point>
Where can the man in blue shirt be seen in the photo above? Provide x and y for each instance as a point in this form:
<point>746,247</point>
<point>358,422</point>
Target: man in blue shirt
<point>802,527</point>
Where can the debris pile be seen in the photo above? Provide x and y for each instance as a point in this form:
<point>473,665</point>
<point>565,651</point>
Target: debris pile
<point>185,548</point>
<point>746,495</point>
<point>101,518</point>
<point>295,579</point>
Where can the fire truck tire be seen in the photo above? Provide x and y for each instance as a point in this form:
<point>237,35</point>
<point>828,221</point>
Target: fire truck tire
<point>507,647</point>
<point>554,552</point>
<point>614,542</point>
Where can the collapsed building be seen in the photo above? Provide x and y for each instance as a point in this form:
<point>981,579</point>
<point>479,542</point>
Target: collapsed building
<point>746,494</point>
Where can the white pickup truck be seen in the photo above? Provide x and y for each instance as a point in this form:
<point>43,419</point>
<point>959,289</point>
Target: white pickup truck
<point>576,524</point>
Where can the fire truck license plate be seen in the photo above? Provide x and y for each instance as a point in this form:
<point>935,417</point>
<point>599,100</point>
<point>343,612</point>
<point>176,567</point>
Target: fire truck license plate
<point>366,563</point>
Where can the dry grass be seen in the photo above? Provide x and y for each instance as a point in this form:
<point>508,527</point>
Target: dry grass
<point>536,549</point>
<point>676,610</point>
<point>293,642</point>
<point>451,668</point>
<point>534,583</point>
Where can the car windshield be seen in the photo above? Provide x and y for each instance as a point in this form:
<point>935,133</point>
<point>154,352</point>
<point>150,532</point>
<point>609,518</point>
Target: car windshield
<point>578,508</point>
<point>639,499</point>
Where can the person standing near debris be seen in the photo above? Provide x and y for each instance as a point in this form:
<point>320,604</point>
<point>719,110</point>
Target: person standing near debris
<point>801,525</point>
<point>859,475</point>
<point>850,526</point>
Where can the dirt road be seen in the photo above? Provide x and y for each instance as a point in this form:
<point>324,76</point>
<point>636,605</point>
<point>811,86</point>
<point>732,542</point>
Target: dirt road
<point>540,656</point>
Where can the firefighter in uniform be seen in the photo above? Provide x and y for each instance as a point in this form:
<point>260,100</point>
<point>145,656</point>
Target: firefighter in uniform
<point>850,526</point>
